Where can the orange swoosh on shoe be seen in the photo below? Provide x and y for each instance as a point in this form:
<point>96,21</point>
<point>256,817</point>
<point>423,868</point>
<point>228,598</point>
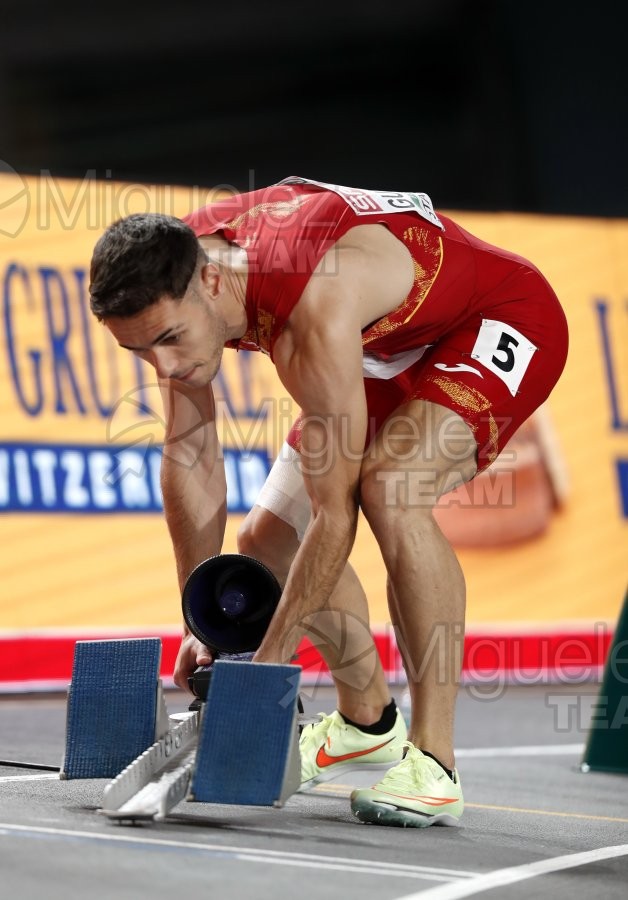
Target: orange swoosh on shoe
<point>323,759</point>
<point>429,801</point>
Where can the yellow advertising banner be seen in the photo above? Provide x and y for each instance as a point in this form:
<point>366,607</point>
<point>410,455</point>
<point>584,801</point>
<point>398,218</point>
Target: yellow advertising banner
<point>84,544</point>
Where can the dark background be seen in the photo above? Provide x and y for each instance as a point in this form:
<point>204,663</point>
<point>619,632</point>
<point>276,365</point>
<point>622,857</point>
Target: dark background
<point>484,104</point>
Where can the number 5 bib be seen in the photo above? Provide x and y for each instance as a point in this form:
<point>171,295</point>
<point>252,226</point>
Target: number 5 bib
<point>505,351</point>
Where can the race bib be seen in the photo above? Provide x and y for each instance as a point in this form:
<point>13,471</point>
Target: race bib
<point>505,351</point>
<point>372,203</point>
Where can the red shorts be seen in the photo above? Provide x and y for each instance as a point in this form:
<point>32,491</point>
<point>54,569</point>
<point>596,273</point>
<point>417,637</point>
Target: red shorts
<point>494,369</point>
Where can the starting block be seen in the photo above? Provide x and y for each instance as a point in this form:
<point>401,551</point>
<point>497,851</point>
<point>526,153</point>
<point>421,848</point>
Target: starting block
<point>115,709</point>
<point>248,750</point>
<point>240,748</point>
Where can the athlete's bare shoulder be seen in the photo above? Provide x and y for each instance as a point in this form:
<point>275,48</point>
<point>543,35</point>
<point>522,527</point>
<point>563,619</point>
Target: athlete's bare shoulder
<point>368,265</point>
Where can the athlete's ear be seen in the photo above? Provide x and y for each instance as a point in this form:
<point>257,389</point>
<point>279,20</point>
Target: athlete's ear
<point>211,279</point>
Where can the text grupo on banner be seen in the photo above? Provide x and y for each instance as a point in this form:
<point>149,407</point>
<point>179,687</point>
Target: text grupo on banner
<point>57,361</point>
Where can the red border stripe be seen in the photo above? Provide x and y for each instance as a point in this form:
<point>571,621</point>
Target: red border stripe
<point>46,659</point>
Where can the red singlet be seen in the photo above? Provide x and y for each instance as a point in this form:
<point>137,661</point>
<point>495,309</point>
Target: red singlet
<point>496,333</point>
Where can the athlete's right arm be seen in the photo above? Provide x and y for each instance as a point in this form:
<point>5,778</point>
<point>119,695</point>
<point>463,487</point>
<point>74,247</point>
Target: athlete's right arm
<point>194,495</point>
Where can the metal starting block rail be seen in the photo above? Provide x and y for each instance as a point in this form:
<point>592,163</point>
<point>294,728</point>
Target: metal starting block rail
<point>241,748</point>
<point>159,778</point>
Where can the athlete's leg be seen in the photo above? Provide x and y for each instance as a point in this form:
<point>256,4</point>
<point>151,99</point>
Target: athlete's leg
<point>341,633</point>
<point>465,399</point>
<point>423,450</point>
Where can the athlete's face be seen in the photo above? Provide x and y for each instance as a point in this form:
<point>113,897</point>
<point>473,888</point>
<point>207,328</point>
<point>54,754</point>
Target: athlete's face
<point>182,339</point>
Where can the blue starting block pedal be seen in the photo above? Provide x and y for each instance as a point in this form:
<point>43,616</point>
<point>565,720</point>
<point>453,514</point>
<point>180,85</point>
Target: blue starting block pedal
<point>248,749</point>
<point>115,709</point>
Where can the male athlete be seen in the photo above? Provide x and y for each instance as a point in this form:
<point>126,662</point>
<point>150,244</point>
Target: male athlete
<point>415,351</point>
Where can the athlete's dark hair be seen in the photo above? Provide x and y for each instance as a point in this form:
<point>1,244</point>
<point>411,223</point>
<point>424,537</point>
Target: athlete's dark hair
<point>139,260</point>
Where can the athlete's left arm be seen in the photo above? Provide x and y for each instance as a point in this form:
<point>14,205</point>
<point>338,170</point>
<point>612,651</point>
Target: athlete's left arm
<point>319,360</point>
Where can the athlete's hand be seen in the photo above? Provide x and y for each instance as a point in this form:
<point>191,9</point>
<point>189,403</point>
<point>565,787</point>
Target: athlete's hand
<point>191,655</point>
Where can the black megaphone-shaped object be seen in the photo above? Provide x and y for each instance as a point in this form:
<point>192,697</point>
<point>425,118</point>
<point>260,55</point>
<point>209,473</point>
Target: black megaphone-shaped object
<point>228,602</point>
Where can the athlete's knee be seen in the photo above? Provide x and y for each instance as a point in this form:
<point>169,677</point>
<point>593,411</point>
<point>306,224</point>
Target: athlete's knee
<point>266,537</point>
<point>390,493</point>
<point>416,460</point>
<point>255,534</point>
<point>247,538</point>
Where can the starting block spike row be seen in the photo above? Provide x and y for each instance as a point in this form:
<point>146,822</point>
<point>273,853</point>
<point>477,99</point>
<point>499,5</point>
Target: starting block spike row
<point>248,749</point>
<point>157,780</point>
<point>156,799</point>
<point>115,708</point>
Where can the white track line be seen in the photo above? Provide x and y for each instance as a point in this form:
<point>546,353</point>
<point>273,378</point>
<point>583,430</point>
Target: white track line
<point>523,750</point>
<point>254,854</point>
<point>513,874</point>
<point>468,753</point>
<point>46,777</point>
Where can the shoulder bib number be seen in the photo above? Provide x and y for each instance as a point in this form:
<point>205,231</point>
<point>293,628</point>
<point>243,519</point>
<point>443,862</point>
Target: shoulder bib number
<point>372,203</point>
